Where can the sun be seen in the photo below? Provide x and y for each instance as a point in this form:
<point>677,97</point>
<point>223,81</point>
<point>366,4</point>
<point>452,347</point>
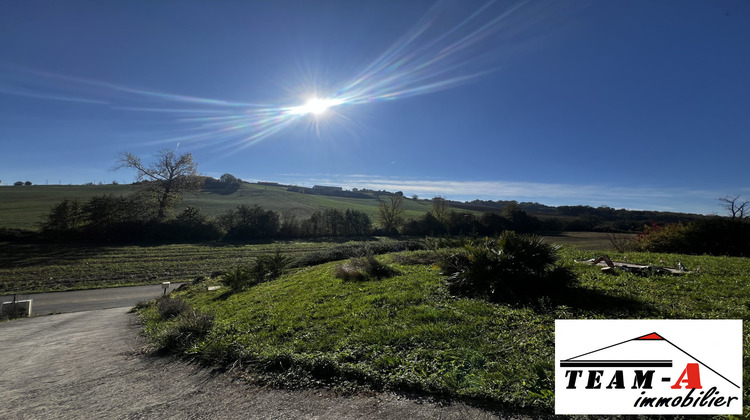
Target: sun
<point>315,106</point>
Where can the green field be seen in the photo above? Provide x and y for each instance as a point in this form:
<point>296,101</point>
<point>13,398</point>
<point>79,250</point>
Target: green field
<point>25,207</point>
<point>407,333</point>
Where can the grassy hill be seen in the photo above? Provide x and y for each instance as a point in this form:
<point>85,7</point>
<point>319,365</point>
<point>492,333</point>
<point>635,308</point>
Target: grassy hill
<point>408,333</point>
<point>25,207</point>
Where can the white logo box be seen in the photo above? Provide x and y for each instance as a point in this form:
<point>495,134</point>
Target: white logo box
<point>648,367</point>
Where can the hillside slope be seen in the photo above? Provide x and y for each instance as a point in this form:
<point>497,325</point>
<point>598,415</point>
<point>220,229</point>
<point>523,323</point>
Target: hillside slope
<point>25,207</point>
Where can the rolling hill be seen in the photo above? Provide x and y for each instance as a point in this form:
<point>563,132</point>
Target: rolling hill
<point>24,207</point>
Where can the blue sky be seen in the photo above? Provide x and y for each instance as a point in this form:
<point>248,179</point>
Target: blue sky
<point>629,104</point>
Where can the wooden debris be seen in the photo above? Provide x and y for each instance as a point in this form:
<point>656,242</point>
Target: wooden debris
<point>608,266</point>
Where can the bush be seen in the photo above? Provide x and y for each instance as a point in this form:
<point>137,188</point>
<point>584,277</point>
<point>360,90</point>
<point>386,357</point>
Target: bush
<point>512,266</point>
<point>363,268</point>
<point>669,238</point>
<point>169,308</point>
<point>238,278</point>
<point>265,267</point>
<point>190,327</point>
<point>274,265</point>
<point>713,236</point>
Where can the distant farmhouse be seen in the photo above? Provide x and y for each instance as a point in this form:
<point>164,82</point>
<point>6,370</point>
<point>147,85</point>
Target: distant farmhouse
<point>323,189</point>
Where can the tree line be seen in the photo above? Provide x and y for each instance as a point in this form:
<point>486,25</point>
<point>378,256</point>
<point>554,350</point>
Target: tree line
<point>140,217</point>
<point>135,218</point>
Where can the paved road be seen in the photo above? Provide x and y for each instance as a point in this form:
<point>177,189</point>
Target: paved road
<point>89,300</point>
<point>91,364</point>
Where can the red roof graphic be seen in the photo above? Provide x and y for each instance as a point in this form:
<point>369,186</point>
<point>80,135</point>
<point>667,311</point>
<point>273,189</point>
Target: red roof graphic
<point>652,336</point>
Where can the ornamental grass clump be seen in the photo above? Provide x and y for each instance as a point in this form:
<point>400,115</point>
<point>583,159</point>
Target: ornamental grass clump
<point>363,268</point>
<point>510,267</point>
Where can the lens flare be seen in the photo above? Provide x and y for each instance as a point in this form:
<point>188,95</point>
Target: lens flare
<point>316,106</point>
<point>448,47</point>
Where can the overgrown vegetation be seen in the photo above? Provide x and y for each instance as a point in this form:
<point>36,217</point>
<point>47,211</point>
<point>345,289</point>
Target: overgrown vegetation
<point>509,267</point>
<point>409,333</point>
<point>169,307</point>
<point>715,236</point>
<point>354,250</point>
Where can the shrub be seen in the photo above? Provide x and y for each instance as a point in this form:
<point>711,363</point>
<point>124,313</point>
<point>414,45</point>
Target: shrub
<point>512,266</point>
<point>714,236</point>
<point>274,265</point>
<point>667,238</point>
<point>238,278</point>
<point>190,327</point>
<point>719,236</point>
<point>265,267</point>
<point>363,268</point>
<point>169,308</point>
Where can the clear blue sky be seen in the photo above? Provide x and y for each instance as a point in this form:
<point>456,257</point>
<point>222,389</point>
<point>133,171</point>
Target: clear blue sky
<point>630,104</point>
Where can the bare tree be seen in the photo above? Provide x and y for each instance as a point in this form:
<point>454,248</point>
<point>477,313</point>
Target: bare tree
<point>622,242</point>
<point>735,208</point>
<point>166,178</point>
<point>391,213</point>
<point>440,209</point>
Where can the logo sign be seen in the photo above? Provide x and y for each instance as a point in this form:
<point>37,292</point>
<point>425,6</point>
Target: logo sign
<point>648,367</point>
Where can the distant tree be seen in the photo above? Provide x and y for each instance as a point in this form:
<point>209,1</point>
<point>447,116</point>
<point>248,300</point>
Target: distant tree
<point>290,225</point>
<point>357,223</point>
<point>229,179</point>
<point>27,183</point>
<point>736,209</point>
<point>66,215</point>
<point>440,209</point>
<point>250,222</point>
<point>18,183</point>
<point>415,197</point>
<point>391,213</point>
<point>167,178</point>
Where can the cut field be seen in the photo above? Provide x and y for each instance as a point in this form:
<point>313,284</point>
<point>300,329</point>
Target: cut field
<point>28,268</point>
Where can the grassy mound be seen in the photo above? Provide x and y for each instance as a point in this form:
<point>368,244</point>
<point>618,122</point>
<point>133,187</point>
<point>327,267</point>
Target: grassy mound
<point>407,332</point>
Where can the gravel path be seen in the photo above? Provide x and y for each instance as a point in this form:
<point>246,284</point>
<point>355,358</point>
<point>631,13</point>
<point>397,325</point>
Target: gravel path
<point>87,365</point>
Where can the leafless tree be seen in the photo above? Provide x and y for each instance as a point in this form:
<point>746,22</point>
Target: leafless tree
<point>622,242</point>
<point>440,209</point>
<point>167,178</point>
<point>391,213</point>
<point>735,208</point>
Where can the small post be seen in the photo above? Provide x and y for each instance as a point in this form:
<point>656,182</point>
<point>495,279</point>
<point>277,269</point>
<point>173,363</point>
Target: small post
<point>165,286</point>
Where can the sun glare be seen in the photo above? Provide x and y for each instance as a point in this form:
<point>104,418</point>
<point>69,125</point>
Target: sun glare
<point>315,106</point>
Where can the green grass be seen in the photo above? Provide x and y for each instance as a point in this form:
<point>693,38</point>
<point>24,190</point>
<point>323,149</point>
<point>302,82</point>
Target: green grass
<point>25,207</point>
<point>407,333</point>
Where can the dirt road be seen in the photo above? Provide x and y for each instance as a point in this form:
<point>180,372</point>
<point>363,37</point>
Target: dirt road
<point>91,365</point>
